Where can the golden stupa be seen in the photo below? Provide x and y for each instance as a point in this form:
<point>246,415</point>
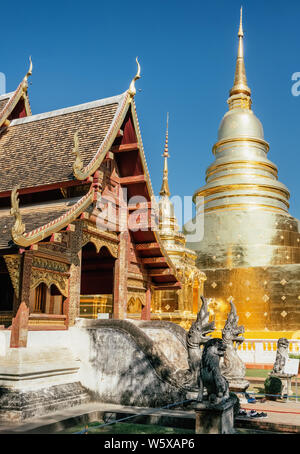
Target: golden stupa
<point>250,249</point>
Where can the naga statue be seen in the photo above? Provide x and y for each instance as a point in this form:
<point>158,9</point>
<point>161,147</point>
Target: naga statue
<point>232,366</point>
<point>196,338</point>
<point>281,356</point>
<point>210,376</point>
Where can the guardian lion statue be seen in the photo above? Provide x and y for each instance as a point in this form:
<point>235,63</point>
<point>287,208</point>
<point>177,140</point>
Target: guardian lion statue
<point>282,356</point>
<point>210,376</point>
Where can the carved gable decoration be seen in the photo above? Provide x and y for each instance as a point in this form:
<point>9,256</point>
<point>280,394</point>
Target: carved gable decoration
<point>50,272</point>
<point>13,263</point>
<point>99,242</point>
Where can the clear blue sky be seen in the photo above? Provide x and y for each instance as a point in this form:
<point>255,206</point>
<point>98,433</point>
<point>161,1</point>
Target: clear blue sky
<point>86,50</point>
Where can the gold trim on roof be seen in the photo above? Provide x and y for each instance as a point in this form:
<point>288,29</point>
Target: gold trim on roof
<point>20,92</point>
<point>18,228</point>
<point>23,238</point>
<point>78,163</point>
<point>82,173</point>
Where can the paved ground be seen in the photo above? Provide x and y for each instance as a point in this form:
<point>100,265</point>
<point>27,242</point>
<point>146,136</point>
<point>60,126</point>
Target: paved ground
<point>282,416</point>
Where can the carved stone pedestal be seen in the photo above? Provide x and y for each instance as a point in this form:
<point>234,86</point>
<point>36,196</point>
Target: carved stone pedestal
<point>214,419</point>
<point>35,381</point>
<point>238,385</point>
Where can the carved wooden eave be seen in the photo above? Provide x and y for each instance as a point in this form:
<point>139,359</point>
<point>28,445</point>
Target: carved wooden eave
<point>22,238</point>
<point>91,234</point>
<point>83,173</point>
<point>14,98</point>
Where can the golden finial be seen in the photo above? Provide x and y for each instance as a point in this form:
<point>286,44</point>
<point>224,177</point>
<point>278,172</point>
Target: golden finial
<point>29,72</point>
<point>18,227</point>
<point>165,184</point>
<point>78,163</point>
<point>240,86</point>
<point>166,150</point>
<point>241,32</point>
<point>132,89</point>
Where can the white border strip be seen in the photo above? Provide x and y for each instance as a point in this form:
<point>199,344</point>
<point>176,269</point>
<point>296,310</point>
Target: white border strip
<point>54,113</point>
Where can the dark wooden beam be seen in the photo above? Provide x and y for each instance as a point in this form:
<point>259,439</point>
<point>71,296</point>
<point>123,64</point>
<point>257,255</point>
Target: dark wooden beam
<point>167,286</point>
<point>153,260</point>
<point>132,180</point>
<point>146,246</point>
<point>154,272</point>
<point>125,147</point>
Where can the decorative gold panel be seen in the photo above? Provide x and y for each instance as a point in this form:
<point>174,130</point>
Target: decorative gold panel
<point>13,263</point>
<point>50,272</point>
<point>99,242</point>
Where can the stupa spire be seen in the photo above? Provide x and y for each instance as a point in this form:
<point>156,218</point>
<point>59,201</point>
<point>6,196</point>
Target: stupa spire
<point>165,184</point>
<point>240,90</point>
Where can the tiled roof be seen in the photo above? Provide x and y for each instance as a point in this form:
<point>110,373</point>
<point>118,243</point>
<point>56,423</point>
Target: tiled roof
<point>4,100</point>
<point>38,150</point>
<point>46,213</point>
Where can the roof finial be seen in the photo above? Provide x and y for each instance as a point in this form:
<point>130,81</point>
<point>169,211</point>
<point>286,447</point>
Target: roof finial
<point>240,85</point>
<point>132,89</point>
<point>241,32</point>
<point>165,184</point>
<point>166,150</point>
<point>29,72</point>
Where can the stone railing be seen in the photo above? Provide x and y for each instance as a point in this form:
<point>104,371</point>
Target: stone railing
<point>263,351</point>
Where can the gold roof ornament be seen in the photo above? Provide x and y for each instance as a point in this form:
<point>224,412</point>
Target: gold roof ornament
<point>165,191</point>
<point>29,73</point>
<point>240,90</point>
<point>78,163</point>
<point>132,89</point>
<point>18,227</point>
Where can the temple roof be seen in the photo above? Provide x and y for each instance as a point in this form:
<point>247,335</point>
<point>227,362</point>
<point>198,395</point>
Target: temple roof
<point>38,150</point>
<point>4,100</point>
<point>47,212</point>
<point>52,149</point>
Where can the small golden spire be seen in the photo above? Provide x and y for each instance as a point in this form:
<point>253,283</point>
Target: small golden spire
<point>240,85</point>
<point>132,89</point>
<point>241,33</point>
<point>165,184</point>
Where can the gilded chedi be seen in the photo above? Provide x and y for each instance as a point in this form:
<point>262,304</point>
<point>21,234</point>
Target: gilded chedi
<point>250,248</point>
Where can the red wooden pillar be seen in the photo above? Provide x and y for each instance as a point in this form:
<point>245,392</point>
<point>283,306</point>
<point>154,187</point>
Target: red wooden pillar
<point>25,280</point>
<point>146,310</point>
<point>120,278</point>
<point>19,328</point>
